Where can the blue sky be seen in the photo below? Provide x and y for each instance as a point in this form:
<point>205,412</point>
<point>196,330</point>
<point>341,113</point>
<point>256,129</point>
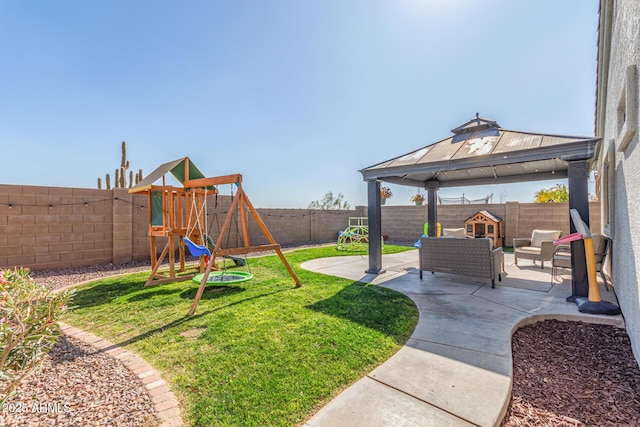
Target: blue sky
<point>296,95</point>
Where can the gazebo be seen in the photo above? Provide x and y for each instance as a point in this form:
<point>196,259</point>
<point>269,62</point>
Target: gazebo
<point>480,152</point>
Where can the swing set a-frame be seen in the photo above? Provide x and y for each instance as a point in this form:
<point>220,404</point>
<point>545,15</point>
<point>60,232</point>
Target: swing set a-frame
<point>178,214</point>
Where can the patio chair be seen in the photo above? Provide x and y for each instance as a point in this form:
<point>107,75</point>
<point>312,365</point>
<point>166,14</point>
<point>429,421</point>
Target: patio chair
<point>537,248</point>
<point>601,249</point>
<point>562,257</point>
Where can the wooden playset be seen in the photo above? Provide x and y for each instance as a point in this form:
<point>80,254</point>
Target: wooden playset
<point>179,215</point>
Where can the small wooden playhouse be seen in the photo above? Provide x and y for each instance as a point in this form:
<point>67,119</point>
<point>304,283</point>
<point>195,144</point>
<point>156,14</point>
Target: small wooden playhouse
<point>485,224</point>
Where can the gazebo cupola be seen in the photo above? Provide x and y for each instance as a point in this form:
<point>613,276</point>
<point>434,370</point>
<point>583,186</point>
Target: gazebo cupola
<point>475,128</point>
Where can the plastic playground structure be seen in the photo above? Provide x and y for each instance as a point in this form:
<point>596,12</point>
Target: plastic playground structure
<point>355,236</point>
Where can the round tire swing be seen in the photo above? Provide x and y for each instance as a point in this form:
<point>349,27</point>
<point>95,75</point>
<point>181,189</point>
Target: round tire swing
<point>223,278</point>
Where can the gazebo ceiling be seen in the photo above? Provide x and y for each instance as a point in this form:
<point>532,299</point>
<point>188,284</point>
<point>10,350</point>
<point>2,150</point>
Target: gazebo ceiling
<point>479,153</point>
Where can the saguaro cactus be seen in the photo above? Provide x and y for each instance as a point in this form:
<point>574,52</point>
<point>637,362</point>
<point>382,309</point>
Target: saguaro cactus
<point>121,173</point>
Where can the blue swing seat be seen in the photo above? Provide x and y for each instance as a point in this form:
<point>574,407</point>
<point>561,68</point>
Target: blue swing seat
<point>196,250</point>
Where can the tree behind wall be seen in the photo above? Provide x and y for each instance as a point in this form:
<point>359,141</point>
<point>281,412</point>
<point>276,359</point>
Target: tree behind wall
<point>557,193</point>
<point>329,201</point>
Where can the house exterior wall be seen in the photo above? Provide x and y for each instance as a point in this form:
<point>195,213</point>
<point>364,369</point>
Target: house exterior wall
<point>619,159</point>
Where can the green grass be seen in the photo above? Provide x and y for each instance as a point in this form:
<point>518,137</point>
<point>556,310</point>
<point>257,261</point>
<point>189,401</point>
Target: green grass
<point>260,352</point>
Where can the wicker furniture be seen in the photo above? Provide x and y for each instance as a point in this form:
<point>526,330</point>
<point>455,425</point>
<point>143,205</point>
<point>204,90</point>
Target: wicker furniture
<point>454,232</point>
<point>562,257</point>
<point>537,248</point>
<point>463,256</point>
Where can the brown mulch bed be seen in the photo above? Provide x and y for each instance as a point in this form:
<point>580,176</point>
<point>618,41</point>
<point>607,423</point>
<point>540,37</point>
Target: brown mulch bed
<point>573,374</point>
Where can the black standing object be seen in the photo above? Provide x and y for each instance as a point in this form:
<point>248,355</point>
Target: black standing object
<point>579,200</point>
<point>375,228</point>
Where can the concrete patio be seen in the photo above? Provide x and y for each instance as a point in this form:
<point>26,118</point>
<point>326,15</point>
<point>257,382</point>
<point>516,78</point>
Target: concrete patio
<point>456,368</point>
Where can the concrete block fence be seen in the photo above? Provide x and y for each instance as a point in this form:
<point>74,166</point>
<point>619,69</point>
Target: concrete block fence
<point>52,227</point>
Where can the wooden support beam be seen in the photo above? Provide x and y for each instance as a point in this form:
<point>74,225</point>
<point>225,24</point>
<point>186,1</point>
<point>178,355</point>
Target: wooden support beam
<point>172,256</point>
<point>271,240</point>
<point>152,250</point>
<point>216,180</point>
<point>247,249</point>
<point>239,202</point>
<point>243,219</point>
<point>223,231</point>
<point>158,262</point>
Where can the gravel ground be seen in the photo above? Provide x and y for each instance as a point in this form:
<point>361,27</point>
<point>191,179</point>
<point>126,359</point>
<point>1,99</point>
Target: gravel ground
<point>79,386</point>
<point>565,374</point>
<point>58,279</point>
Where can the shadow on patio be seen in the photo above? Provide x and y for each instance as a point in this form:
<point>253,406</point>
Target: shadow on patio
<point>456,367</point>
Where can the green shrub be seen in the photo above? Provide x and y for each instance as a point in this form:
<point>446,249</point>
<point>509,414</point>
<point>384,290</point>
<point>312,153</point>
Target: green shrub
<point>28,328</point>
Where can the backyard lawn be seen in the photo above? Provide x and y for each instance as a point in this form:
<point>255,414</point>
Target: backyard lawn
<point>260,352</point>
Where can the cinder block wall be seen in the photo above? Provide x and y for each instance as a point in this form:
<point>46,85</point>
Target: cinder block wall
<point>49,227</point>
<point>290,226</point>
<point>405,223</point>
<point>52,228</point>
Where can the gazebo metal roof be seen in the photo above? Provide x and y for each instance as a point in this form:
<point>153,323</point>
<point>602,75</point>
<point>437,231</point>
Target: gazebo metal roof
<point>479,153</point>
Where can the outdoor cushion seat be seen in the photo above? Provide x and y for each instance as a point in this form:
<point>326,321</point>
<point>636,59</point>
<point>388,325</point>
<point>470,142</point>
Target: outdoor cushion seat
<point>529,250</point>
<point>462,256</point>
<point>537,248</point>
<point>453,232</point>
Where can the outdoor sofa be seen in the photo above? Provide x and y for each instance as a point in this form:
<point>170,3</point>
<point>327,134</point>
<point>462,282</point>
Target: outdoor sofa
<point>463,256</point>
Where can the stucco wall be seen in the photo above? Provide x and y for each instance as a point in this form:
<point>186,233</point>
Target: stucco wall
<point>624,51</point>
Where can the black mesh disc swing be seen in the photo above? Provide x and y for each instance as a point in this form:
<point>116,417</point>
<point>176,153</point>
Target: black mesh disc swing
<point>225,277</point>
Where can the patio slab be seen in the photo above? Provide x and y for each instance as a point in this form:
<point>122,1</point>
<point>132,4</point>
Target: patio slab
<point>371,403</point>
<point>456,368</point>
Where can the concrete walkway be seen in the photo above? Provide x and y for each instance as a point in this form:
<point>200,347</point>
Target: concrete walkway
<point>456,368</point>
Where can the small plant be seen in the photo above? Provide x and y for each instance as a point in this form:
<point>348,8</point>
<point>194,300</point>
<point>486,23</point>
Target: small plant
<point>417,197</point>
<point>28,328</point>
<point>385,193</point>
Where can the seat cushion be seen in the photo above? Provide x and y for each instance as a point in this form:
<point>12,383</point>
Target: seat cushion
<point>528,250</point>
<point>454,232</point>
<point>539,236</point>
<point>563,261</point>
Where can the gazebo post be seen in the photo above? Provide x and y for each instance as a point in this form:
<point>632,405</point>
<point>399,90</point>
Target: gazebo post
<point>375,228</point>
<point>579,200</point>
<point>432,210</point>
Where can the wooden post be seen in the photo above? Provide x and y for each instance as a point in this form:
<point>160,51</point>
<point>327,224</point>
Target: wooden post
<point>271,240</point>
<point>243,219</point>
<point>154,271</point>
<point>205,277</point>
<point>238,202</point>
